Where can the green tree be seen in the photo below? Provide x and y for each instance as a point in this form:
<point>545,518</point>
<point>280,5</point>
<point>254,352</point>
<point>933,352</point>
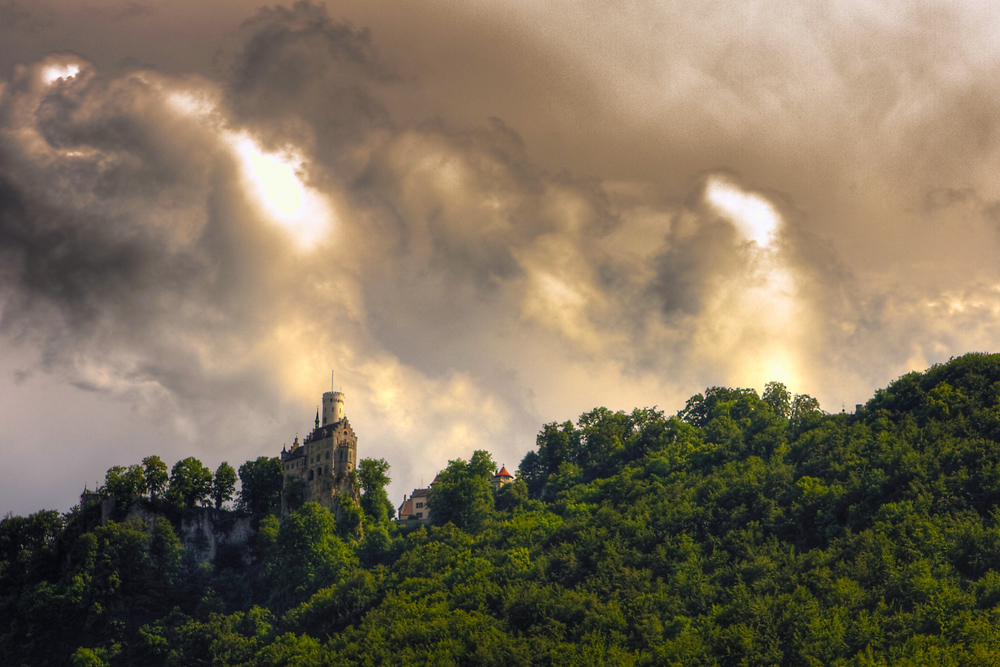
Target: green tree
<point>260,485</point>
<point>190,483</point>
<point>779,398</point>
<point>293,493</point>
<point>223,484</point>
<point>87,657</point>
<point>558,443</point>
<point>513,496</point>
<point>350,518</point>
<point>374,499</point>
<point>155,476</point>
<point>165,550</point>
<point>534,472</point>
<point>463,494</point>
<point>804,415</point>
<point>18,533</point>
<point>603,434</point>
<point>307,556</point>
<point>123,483</point>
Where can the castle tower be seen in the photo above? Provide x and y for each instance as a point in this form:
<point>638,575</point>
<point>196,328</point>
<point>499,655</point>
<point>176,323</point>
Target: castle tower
<point>333,405</point>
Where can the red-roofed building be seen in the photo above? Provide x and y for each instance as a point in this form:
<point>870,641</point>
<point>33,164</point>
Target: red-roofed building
<point>502,478</point>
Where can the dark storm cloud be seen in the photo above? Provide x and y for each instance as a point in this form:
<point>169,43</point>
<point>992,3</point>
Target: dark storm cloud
<point>13,14</point>
<point>15,17</point>
<point>696,250</point>
<point>117,262</point>
<point>299,75</point>
<point>70,265</point>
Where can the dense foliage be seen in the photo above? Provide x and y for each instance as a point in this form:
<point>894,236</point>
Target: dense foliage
<point>744,530</point>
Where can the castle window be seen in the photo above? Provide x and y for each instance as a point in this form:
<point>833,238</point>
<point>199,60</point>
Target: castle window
<point>328,455</point>
<point>420,504</point>
<point>310,475</point>
<point>420,515</point>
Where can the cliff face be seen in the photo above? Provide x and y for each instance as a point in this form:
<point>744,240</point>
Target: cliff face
<point>204,531</point>
<point>208,530</point>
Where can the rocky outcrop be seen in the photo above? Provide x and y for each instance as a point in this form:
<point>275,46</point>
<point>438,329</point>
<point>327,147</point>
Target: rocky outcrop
<point>207,530</point>
<point>204,531</point>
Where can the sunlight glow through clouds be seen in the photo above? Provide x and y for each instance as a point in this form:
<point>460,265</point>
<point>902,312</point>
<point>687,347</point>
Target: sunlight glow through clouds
<point>274,183</point>
<point>757,309</point>
<point>54,73</point>
<point>192,102</point>
<point>274,176</point>
<point>754,217</point>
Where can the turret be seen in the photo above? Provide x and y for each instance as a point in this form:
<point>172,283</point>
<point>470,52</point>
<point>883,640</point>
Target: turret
<point>502,478</point>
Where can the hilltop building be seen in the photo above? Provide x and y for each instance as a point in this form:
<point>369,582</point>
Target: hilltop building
<point>415,509</point>
<point>502,478</point>
<point>323,462</point>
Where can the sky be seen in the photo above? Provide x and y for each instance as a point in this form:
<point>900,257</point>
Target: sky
<point>481,217</point>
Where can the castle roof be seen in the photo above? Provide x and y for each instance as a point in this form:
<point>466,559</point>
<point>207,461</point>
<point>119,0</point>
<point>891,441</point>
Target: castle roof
<point>326,431</point>
<point>297,453</point>
<point>503,472</point>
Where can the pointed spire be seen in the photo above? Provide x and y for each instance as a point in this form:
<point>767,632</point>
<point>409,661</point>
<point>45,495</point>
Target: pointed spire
<point>317,417</point>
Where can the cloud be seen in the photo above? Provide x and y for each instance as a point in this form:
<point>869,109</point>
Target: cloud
<point>124,11</point>
<point>14,18</point>
<point>300,76</point>
<point>481,238</point>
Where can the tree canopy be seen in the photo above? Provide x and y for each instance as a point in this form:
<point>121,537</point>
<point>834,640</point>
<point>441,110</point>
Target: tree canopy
<point>223,484</point>
<point>742,530</point>
<point>190,483</point>
<point>260,485</point>
<point>373,478</point>
<point>462,494</point>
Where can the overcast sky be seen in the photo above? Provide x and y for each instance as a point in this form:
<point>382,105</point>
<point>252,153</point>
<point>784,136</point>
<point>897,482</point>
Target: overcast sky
<point>483,216</point>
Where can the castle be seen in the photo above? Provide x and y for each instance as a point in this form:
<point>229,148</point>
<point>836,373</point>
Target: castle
<point>323,463</point>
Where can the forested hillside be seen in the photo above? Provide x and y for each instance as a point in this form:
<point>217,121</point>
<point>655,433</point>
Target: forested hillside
<point>744,530</point>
